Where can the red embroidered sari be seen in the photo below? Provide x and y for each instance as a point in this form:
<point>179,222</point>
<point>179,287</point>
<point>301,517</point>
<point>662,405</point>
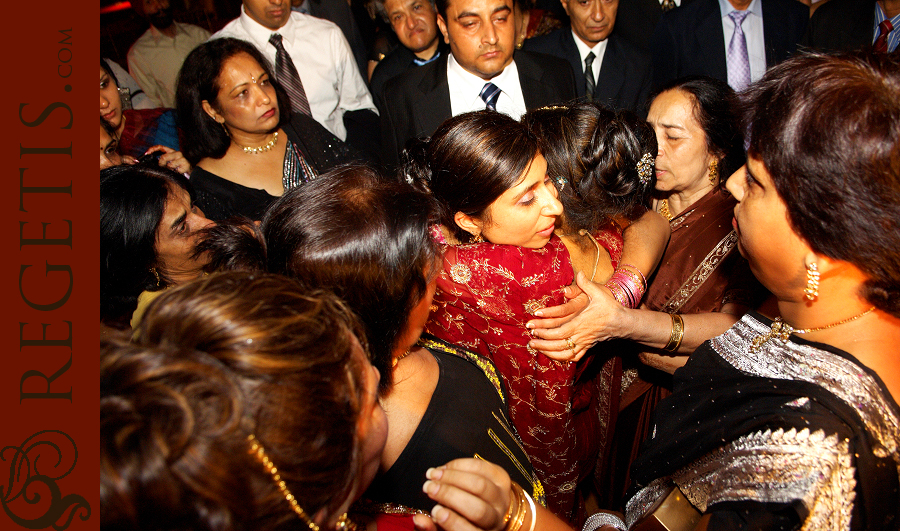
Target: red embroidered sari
<point>485,295</point>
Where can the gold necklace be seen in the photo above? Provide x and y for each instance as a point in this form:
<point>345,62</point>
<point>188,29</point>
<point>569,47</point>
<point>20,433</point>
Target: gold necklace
<point>583,232</point>
<point>782,330</point>
<point>664,209</point>
<point>400,357</point>
<point>261,149</point>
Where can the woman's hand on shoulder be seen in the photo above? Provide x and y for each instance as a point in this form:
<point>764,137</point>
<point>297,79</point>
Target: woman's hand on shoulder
<point>602,318</point>
<point>471,494</point>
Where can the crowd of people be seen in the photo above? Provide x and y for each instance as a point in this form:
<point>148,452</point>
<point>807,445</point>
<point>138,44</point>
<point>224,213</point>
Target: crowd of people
<point>508,266</point>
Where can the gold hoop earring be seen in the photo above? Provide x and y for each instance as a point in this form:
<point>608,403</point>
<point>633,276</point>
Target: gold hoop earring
<point>225,129</point>
<point>812,282</point>
<point>714,172</point>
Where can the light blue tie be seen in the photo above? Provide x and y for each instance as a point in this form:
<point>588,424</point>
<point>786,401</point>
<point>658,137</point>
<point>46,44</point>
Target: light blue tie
<point>738,60</point>
<point>489,94</point>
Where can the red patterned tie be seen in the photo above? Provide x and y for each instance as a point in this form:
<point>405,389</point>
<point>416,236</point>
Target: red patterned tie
<point>287,75</point>
<point>881,43</point>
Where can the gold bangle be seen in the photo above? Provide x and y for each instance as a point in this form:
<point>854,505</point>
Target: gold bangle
<point>677,333</point>
<point>515,523</point>
<point>513,506</point>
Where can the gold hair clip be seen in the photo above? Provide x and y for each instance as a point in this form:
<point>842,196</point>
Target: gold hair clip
<point>645,168</point>
<point>256,448</point>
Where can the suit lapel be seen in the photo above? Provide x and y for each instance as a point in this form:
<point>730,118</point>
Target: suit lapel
<point>432,103</point>
<point>710,37</point>
<point>612,72</point>
<point>567,45</point>
<point>531,79</point>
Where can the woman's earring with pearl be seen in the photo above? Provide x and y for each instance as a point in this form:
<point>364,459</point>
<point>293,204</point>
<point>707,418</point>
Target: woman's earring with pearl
<point>812,281</point>
<point>714,172</point>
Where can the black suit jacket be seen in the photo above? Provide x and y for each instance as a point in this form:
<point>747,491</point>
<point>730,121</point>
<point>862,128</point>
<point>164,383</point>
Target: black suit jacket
<point>416,102</point>
<point>625,74</point>
<point>845,25</point>
<point>636,20</point>
<point>689,40</point>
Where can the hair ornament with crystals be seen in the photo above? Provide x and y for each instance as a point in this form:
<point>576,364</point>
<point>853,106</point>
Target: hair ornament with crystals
<point>645,168</point>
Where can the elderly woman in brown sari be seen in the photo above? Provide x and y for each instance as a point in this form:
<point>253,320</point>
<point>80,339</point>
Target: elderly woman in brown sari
<point>701,275</point>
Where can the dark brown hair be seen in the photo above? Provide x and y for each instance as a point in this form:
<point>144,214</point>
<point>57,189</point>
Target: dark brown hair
<point>592,155</point>
<point>469,162</point>
<point>827,128</point>
<point>213,361</point>
<point>361,235</point>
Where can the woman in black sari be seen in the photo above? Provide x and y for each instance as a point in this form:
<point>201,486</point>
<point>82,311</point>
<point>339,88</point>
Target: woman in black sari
<point>792,422</point>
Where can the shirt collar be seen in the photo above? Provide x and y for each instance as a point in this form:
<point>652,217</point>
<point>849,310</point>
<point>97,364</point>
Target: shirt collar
<point>469,83</point>
<point>583,49</point>
<point>754,8</point>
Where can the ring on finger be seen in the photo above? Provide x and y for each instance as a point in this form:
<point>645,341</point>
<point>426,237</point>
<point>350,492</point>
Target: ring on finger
<point>571,344</point>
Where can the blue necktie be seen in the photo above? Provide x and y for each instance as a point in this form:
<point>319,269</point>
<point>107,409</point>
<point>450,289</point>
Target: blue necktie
<point>738,61</point>
<point>489,94</point>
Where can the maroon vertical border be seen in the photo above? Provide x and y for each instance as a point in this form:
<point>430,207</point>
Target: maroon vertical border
<point>49,439</point>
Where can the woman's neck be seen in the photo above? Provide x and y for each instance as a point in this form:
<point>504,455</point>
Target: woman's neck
<point>244,139</point>
<point>683,200</point>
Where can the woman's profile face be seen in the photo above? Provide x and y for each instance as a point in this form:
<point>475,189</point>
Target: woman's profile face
<point>526,214</point>
<point>246,100</point>
<point>110,102</point>
<point>176,235</point>
<point>682,161</point>
<point>766,239</point>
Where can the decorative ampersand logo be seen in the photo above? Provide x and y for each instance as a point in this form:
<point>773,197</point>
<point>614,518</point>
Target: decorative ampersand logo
<point>51,450</point>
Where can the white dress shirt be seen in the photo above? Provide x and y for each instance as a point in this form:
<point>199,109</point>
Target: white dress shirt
<point>753,32</point>
<point>327,69</point>
<point>599,50</point>
<point>155,59</point>
<point>465,88</point>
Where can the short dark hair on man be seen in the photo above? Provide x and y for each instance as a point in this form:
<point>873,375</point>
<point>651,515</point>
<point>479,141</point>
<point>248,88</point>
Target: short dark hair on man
<point>716,110</point>
<point>198,80</point>
<point>469,162</point>
<point>132,204</point>
<point>827,128</point>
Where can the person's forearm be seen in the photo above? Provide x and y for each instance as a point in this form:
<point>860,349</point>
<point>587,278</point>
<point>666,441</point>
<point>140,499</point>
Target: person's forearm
<point>654,329</point>
<point>645,242</point>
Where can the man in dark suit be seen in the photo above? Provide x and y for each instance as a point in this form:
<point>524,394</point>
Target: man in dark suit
<point>841,25</point>
<point>691,40</point>
<point>637,19</point>
<point>480,72</point>
<point>609,69</point>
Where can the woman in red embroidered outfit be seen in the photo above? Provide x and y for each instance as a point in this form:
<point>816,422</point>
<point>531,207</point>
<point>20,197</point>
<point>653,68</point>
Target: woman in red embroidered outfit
<point>491,179</point>
<point>701,275</point>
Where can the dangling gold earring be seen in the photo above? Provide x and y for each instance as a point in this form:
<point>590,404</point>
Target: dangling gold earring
<point>477,238</point>
<point>714,172</point>
<point>156,276</point>
<point>812,282</point>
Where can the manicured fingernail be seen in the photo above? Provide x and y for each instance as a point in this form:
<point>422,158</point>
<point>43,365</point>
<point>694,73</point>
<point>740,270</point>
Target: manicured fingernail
<point>434,473</point>
<point>430,487</point>
<point>529,325</point>
<point>539,313</point>
<point>440,514</point>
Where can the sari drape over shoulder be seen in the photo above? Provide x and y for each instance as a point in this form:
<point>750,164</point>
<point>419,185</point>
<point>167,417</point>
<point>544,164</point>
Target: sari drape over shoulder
<point>485,295</point>
<point>796,435</point>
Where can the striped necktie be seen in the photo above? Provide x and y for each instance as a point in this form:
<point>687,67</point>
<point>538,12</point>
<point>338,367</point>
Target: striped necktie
<point>589,82</point>
<point>287,75</point>
<point>738,60</point>
<point>881,42</point>
<point>490,93</point>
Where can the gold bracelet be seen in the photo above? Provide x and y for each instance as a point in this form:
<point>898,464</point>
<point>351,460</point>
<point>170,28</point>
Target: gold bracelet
<point>515,523</point>
<point>513,506</point>
<point>677,333</point>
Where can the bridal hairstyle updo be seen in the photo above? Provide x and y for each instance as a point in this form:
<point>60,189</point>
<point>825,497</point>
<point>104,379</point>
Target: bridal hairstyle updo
<point>469,162</point>
<point>213,361</point>
<point>361,235</point>
<point>827,128</point>
<point>592,155</point>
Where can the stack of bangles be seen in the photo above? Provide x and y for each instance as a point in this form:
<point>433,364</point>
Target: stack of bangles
<point>519,505</point>
<point>677,333</point>
<point>627,284</point>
